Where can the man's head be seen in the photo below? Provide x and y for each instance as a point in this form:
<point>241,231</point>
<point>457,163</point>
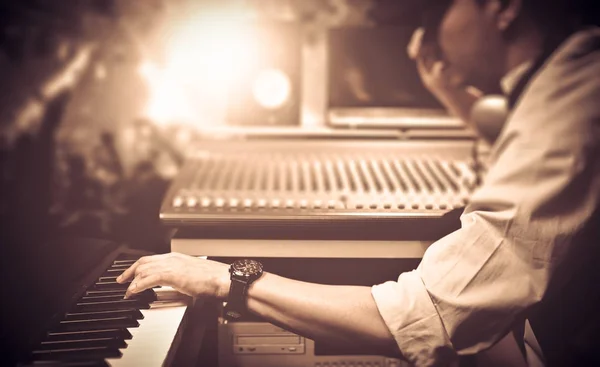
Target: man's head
<point>483,39</point>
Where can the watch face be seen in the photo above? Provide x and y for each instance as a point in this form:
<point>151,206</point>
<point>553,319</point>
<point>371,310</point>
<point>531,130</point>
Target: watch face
<point>246,267</point>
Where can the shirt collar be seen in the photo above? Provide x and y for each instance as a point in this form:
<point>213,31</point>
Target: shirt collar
<point>511,79</point>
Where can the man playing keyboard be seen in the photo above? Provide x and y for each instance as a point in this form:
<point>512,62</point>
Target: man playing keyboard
<point>528,246</point>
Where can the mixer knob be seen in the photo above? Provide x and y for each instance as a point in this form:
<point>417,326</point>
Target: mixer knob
<point>262,203</point>
<point>177,202</point>
<point>275,203</point>
<point>317,204</point>
<point>247,203</point>
<point>303,204</point>
<point>205,202</point>
<point>219,203</point>
<point>331,204</point>
<point>233,203</point>
<point>289,203</point>
<point>191,202</point>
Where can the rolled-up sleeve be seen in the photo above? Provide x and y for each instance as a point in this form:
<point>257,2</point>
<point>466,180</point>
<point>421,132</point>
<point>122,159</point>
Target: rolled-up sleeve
<point>543,187</point>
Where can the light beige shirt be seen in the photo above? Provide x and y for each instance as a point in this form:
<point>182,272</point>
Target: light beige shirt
<point>509,82</point>
<point>520,227</point>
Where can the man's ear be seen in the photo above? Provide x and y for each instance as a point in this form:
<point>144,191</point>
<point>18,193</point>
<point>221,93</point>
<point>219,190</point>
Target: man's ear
<point>507,12</point>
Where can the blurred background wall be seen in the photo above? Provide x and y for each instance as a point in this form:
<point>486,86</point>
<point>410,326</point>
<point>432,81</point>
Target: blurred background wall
<point>83,150</point>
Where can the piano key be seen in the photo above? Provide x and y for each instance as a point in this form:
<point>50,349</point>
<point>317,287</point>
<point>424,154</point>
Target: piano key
<point>110,285</point>
<point>113,272</point>
<point>119,266</point>
<point>125,261</point>
<point>148,295</point>
<point>102,298</point>
<point>107,292</point>
<point>130,312</point>
<point>96,363</point>
<point>86,334</point>
<point>153,339</point>
<point>83,343</point>
<point>111,305</point>
<point>101,323</point>
<point>127,256</point>
<point>77,353</point>
<point>109,278</point>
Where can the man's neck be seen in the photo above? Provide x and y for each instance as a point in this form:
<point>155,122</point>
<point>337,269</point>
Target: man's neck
<point>532,43</point>
<point>527,47</point>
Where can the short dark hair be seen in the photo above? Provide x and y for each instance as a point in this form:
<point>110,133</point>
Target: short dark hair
<point>548,12</point>
<point>589,11</point>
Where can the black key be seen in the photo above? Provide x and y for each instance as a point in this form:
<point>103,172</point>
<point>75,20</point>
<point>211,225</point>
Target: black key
<point>125,256</point>
<point>95,324</point>
<point>83,343</point>
<point>101,298</point>
<point>116,271</point>
<point>87,334</point>
<point>109,292</point>
<point>130,312</point>
<point>97,363</point>
<point>148,295</point>
<point>77,353</point>
<point>125,262</point>
<point>110,286</point>
<point>112,278</point>
<point>111,305</point>
<point>120,266</point>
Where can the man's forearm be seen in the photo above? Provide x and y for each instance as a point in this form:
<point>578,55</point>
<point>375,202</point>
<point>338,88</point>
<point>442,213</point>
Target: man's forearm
<point>336,314</point>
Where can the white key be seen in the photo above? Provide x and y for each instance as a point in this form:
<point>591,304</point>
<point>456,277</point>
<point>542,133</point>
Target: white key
<point>151,341</point>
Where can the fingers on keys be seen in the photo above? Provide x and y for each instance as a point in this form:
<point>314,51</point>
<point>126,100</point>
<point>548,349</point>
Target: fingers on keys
<point>145,273</point>
<point>131,272</point>
<point>141,284</point>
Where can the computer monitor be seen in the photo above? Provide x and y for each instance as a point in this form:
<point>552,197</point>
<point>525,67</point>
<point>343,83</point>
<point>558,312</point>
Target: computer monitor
<point>373,83</point>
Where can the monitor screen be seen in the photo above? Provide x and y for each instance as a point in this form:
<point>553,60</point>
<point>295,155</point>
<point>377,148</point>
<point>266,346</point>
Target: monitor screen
<point>370,67</point>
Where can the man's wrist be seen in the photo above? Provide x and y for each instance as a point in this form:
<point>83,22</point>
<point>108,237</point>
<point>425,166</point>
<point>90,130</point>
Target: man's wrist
<point>223,283</point>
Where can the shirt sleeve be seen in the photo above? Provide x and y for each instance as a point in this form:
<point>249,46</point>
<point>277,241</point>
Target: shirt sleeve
<point>542,188</point>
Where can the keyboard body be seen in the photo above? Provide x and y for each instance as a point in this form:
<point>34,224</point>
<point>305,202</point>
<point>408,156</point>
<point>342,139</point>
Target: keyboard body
<point>74,313</point>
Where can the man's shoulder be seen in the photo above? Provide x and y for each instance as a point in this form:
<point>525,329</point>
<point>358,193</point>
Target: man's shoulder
<point>573,69</point>
<point>586,38</point>
<point>562,99</point>
<point>583,45</point>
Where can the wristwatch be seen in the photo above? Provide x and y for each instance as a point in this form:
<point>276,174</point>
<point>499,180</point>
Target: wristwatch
<point>243,273</point>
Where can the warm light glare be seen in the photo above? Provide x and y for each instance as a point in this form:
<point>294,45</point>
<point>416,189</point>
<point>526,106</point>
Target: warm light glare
<point>272,88</point>
<point>205,56</point>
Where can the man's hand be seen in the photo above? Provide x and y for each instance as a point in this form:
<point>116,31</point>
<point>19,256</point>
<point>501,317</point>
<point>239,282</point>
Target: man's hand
<point>441,79</point>
<point>186,274</point>
<point>436,74</point>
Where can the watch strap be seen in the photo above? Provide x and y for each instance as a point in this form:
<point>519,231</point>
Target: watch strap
<point>236,302</point>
